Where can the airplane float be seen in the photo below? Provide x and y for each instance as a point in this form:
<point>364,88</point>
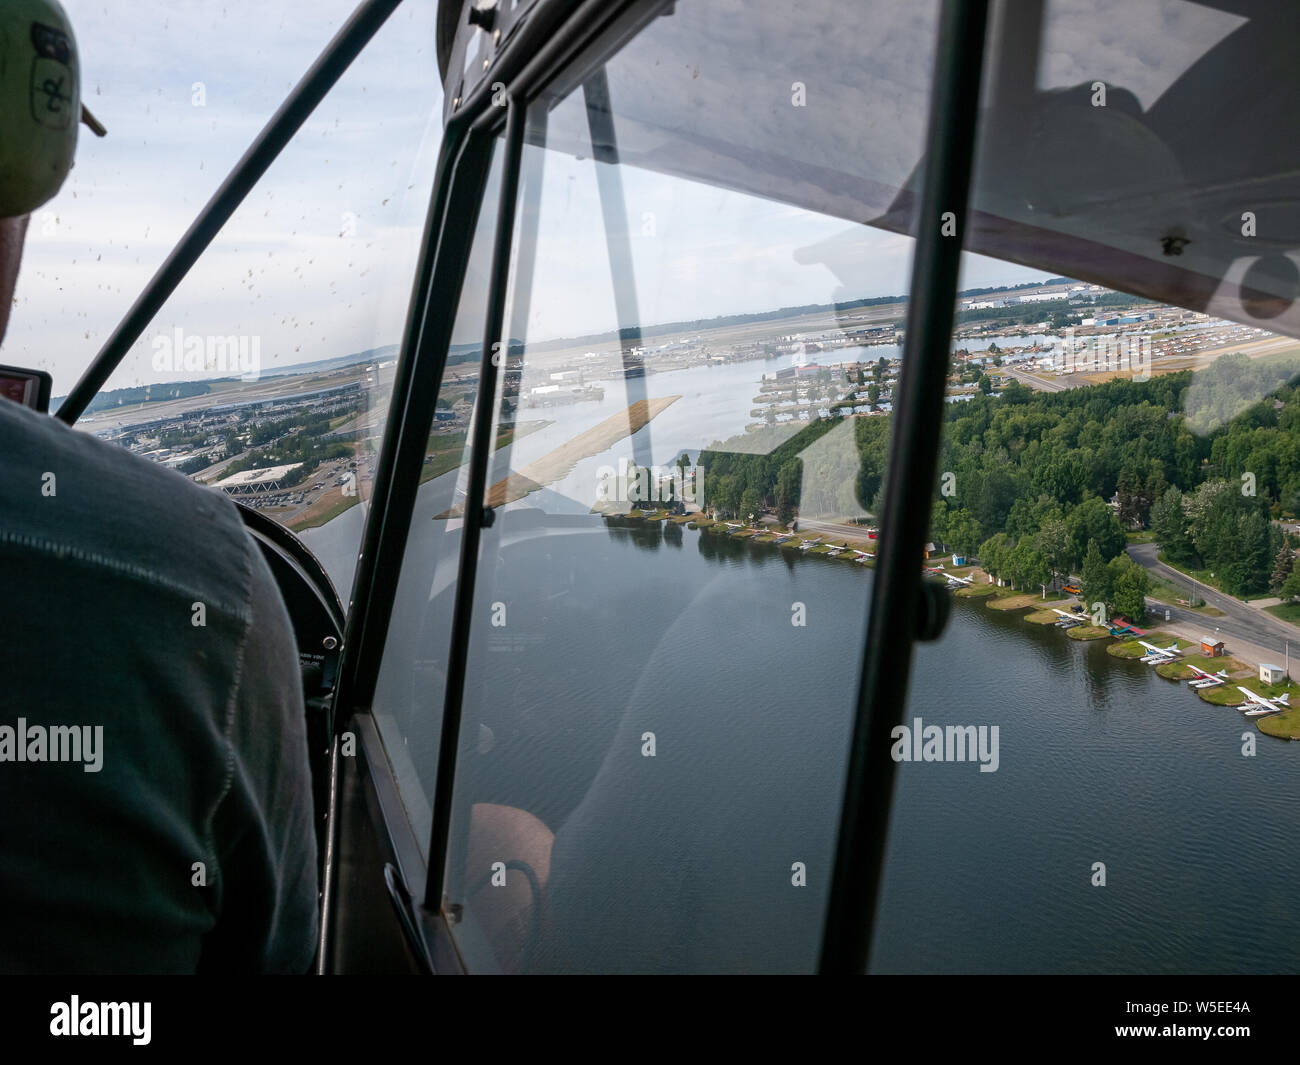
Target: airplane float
<point>1204,679</point>
<point>1155,655</point>
<point>1259,705</point>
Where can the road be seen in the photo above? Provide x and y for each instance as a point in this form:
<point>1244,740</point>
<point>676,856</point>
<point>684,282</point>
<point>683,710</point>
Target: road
<point>833,528</point>
<point>1239,620</point>
<point>1042,384</point>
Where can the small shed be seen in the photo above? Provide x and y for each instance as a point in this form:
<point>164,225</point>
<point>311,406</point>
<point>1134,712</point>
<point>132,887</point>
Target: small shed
<point>1211,646</point>
<point>959,560</point>
<point>1271,674</point>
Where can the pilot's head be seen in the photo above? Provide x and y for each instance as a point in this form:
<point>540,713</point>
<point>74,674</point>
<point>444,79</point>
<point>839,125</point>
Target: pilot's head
<point>40,109</point>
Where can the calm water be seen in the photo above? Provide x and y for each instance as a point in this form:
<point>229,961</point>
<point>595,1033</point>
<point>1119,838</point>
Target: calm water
<point>683,861</point>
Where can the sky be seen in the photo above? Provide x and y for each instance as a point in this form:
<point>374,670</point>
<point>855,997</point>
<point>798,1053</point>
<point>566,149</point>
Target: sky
<point>318,260</point>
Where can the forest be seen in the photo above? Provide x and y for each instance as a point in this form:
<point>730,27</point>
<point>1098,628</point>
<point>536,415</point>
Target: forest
<point>1027,478</point>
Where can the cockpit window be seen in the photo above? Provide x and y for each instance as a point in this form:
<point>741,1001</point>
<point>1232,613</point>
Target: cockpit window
<point>268,371</point>
<point>683,393</point>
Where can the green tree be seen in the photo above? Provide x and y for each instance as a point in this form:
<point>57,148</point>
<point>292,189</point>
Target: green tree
<point>994,553</point>
<point>1291,586</point>
<point>1283,564</point>
<point>962,531</point>
<point>1093,520</point>
<point>1130,584</point>
<point>787,491</point>
<point>1053,541</point>
<point>750,504</point>
<point>1169,524</point>
<point>1027,565</point>
<point>985,385</point>
<point>1095,578</point>
<point>726,491</point>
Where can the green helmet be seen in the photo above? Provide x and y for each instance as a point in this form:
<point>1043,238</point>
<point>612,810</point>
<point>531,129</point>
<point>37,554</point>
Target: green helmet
<point>40,102</point>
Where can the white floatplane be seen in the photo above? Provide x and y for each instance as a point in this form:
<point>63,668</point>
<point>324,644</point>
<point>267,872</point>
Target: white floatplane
<point>862,556</point>
<point>1156,655</point>
<point>1204,679</point>
<point>1259,705</point>
<point>1068,620</point>
<point>954,581</point>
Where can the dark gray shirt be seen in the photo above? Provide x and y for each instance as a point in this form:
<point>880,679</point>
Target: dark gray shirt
<point>160,817</point>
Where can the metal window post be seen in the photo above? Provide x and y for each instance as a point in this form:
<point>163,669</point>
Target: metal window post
<point>895,610</point>
<point>476,513</point>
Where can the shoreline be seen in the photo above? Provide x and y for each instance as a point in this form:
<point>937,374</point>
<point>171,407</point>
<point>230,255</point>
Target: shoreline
<point>1243,658</point>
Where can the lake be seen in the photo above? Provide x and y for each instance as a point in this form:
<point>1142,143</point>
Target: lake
<point>685,858</point>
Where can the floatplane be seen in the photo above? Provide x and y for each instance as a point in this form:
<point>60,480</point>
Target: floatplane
<point>1204,679</point>
<point>862,556</point>
<point>808,545</point>
<point>953,580</point>
<point>1068,620</point>
<point>1156,655</point>
<point>1259,705</point>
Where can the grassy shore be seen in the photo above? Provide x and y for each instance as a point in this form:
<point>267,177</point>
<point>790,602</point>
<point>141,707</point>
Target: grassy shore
<point>1181,670</point>
<point>1228,695</point>
<point>1087,632</point>
<point>1285,726</point>
<point>1013,601</point>
<point>1134,649</point>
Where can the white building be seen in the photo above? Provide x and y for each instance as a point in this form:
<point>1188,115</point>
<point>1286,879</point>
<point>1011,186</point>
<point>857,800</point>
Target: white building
<point>1271,674</point>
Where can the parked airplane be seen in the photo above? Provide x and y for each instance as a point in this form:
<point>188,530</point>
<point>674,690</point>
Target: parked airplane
<point>954,580</point>
<point>1259,705</point>
<point>1068,620</point>
<point>862,556</point>
<point>1204,679</point>
<point>1156,655</point>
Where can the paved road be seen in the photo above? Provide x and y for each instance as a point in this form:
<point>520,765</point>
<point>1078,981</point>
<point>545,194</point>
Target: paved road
<point>1240,621</point>
<point>810,526</point>
<point>1039,383</point>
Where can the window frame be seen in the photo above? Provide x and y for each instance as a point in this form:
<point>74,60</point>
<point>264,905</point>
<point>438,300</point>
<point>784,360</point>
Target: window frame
<point>548,47</point>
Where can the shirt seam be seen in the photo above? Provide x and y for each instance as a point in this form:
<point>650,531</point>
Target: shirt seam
<point>64,551</point>
<point>229,717</point>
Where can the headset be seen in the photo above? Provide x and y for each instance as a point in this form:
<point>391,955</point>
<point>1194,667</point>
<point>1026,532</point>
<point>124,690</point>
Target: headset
<point>40,103</point>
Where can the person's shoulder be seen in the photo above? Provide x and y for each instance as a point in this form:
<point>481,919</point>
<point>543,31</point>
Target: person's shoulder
<point>67,495</point>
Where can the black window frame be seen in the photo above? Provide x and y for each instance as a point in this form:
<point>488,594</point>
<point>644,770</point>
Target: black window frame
<point>902,608</point>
